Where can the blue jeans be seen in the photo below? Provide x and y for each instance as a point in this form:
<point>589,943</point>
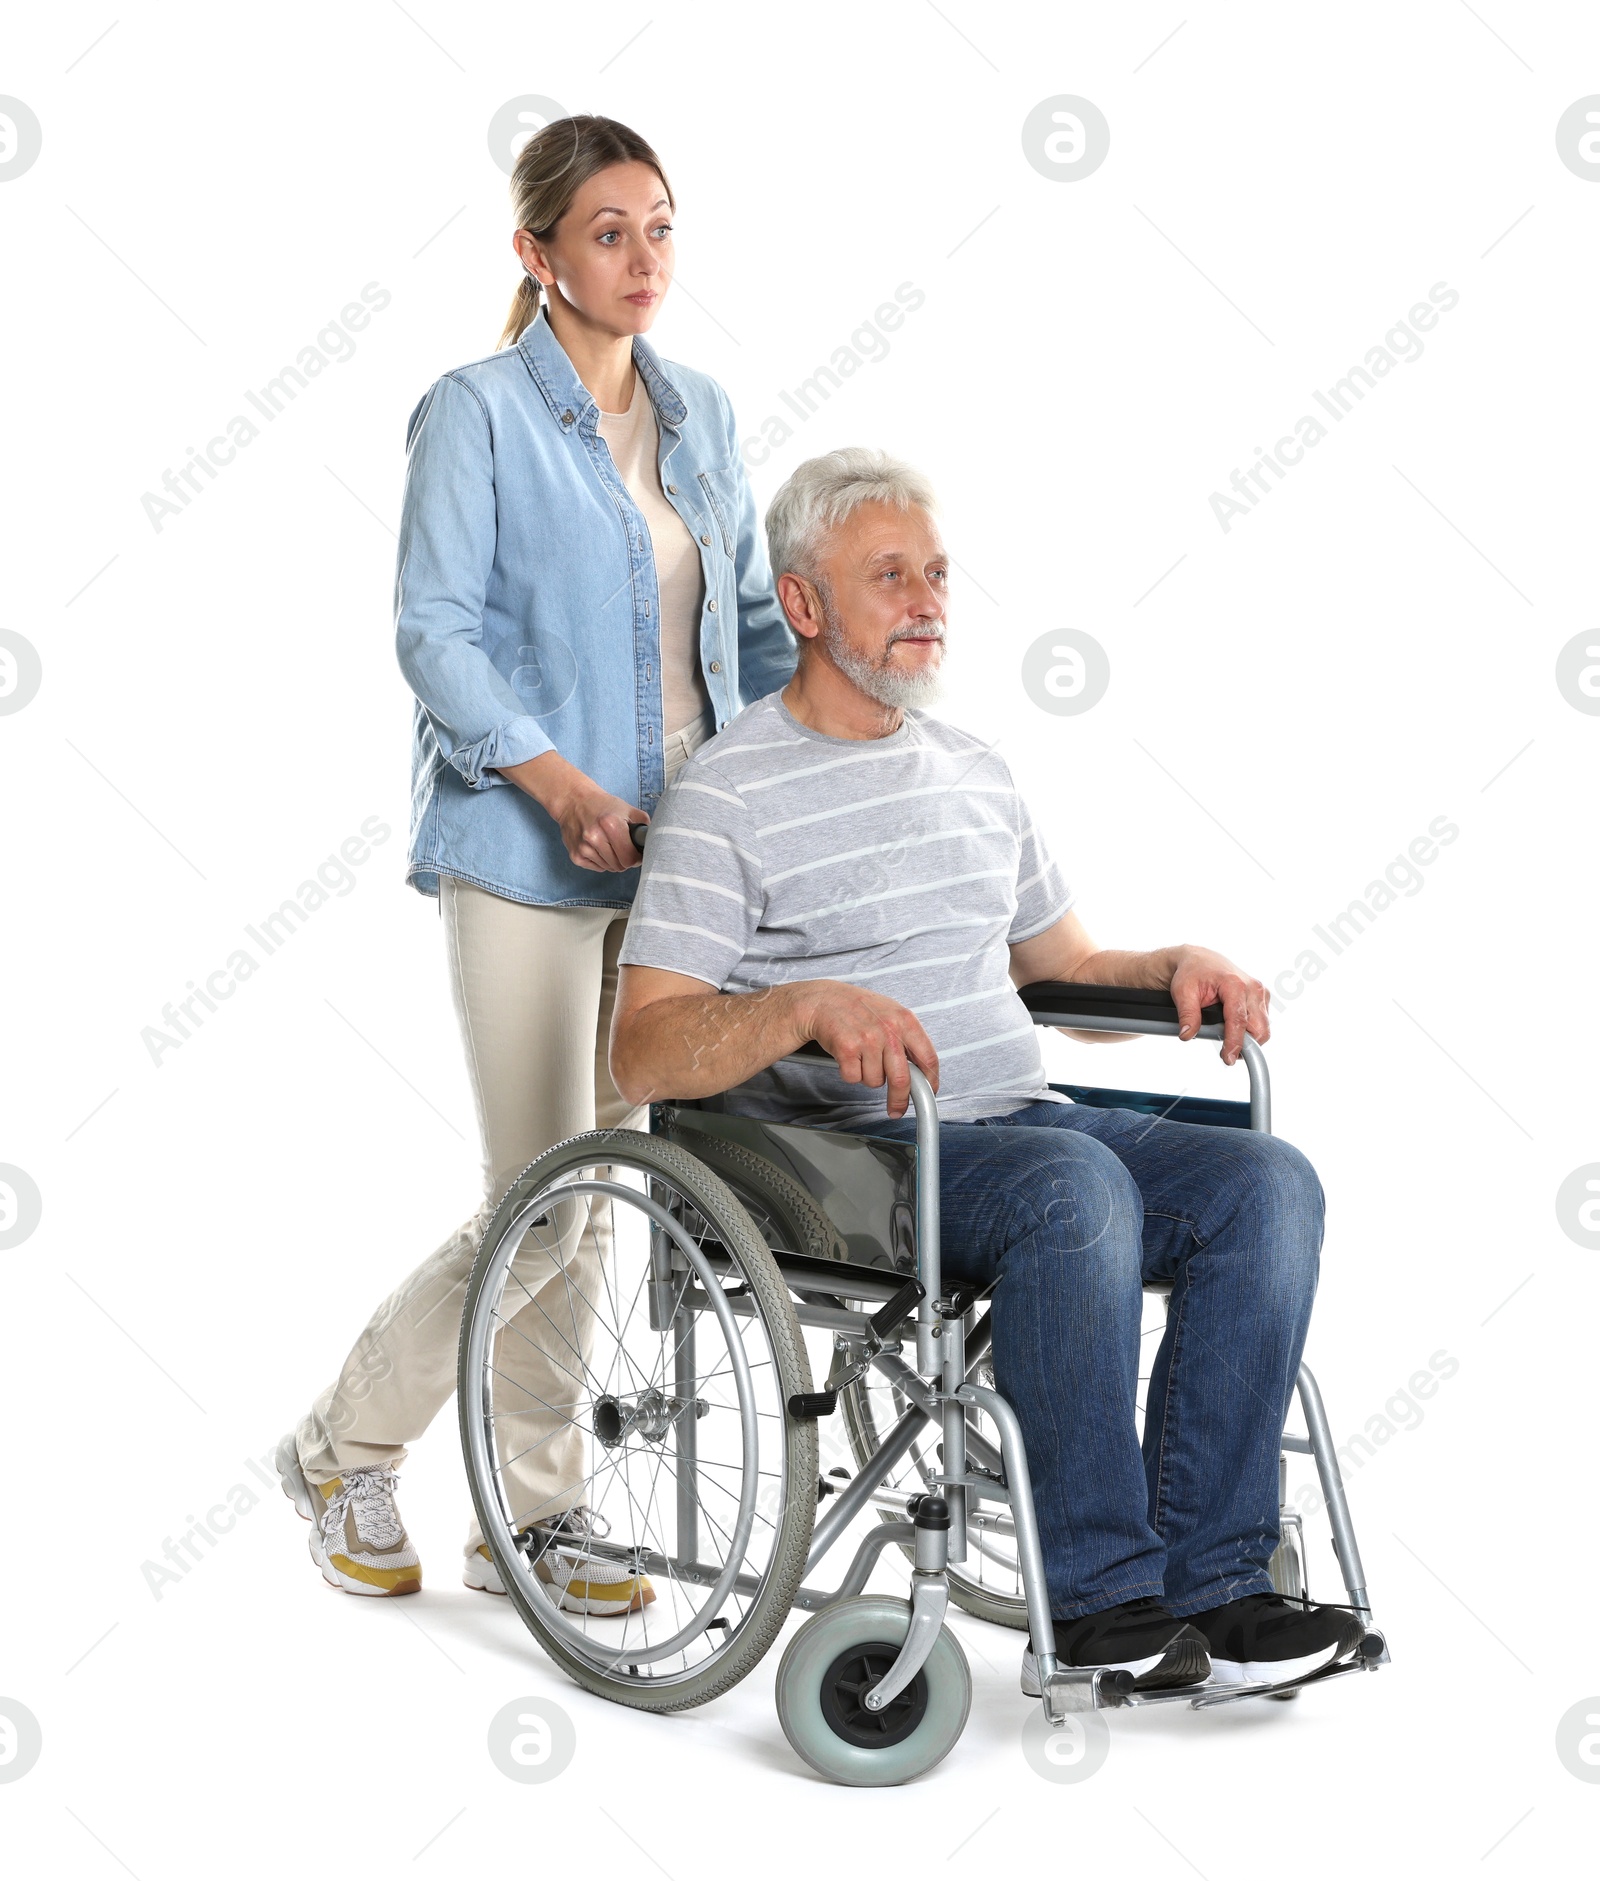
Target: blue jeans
<point>1072,1209</point>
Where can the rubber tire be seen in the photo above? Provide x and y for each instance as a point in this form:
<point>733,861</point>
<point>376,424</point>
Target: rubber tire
<point>997,1609</point>
<point>806,1228</point>
<point>715,1201</point>
<point>799,1686</point>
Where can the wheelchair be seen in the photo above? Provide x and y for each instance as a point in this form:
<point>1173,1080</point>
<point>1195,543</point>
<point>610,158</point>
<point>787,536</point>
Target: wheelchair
<point>687,1390</point>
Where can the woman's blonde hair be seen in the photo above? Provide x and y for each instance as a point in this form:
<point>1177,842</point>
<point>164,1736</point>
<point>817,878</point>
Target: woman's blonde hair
<point>553,166</point>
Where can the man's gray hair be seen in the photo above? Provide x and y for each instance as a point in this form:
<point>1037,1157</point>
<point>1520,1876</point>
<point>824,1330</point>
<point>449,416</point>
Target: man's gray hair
<point>824,491</point>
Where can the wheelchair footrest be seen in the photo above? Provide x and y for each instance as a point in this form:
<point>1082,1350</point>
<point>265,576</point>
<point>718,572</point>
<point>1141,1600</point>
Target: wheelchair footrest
<point>1206,1698</point>
<point>1072,1690</point>
<point>1086,1688</point>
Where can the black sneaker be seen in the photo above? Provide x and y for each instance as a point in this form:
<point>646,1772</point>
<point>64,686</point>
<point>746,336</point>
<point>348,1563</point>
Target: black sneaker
<point>1272,1637</point>
<point>1139,1636</point>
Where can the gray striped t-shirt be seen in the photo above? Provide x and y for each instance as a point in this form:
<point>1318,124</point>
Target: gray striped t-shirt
<point>906,865</point>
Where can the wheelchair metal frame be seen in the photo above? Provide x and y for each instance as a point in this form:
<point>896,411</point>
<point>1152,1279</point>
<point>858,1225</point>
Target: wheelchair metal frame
<point>973,1472</point>
<point>975,1494</point>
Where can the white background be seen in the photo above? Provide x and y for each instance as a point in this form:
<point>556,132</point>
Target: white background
<point>1372,647</point>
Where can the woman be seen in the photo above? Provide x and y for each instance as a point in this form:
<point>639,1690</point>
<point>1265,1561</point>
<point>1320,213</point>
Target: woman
<point>582,599</point>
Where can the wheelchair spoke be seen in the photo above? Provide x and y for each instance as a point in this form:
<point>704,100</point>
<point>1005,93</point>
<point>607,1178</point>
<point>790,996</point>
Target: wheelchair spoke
<point>772,1475</point>
<point>511,1326</point>
<point>569,1285</point>
<point>563,1267</point>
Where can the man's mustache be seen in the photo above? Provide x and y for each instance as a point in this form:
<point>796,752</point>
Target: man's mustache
<point>915,633</point>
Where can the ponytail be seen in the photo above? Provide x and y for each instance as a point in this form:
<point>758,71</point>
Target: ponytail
<point>524,310</point>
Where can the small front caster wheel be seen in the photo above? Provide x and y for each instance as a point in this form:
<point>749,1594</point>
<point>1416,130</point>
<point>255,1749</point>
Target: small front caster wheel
<point>834,1661</point>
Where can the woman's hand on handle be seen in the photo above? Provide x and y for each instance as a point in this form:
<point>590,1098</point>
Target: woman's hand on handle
<point>593,823</point>
<point>594,826</point>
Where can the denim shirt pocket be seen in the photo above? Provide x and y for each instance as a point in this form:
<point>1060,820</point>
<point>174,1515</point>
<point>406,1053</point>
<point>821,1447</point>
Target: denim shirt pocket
<point>719,506</point>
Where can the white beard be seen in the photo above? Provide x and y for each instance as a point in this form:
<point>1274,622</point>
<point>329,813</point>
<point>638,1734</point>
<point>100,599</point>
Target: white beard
<point>881,682</point>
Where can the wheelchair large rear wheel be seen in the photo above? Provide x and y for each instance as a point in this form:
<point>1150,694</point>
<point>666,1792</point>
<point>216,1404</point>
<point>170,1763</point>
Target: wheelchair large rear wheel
<point>674,1349</point>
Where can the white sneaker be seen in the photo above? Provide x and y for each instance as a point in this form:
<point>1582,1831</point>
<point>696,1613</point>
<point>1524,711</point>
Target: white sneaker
<point>357,1537</point>
<point>586,1584</point>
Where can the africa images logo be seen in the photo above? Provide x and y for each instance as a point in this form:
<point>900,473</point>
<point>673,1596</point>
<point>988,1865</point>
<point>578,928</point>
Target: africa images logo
<point>1401,345</point>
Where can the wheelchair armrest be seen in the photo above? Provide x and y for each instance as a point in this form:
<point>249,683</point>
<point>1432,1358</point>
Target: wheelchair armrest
<point>1065,1002</point>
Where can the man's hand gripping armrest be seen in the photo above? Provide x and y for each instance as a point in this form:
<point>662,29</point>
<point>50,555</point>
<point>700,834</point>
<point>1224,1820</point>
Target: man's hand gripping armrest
<point>674,1036</point>
<point>1194,976</point>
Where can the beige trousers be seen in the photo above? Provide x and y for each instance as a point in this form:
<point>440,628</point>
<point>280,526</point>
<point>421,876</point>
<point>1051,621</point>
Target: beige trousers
<point>534,989</point>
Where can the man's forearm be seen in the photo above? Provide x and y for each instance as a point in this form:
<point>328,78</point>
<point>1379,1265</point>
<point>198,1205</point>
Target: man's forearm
<point>700,1043</point>
<point>1116,967</point>
<point>1113,966</point>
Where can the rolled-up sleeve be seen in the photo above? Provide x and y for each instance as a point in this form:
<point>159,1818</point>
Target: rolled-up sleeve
<point>767,651</point>
<point>446,554</point>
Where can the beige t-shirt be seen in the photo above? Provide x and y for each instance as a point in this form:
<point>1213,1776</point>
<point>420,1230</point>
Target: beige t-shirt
<point>633,439</point>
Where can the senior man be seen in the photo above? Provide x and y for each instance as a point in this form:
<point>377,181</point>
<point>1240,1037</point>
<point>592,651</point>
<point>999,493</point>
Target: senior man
<point>839,865</point>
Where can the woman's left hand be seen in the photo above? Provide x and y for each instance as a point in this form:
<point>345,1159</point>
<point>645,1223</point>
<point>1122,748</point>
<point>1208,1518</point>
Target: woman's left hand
<point>594,826</point>
<point>593,823</point>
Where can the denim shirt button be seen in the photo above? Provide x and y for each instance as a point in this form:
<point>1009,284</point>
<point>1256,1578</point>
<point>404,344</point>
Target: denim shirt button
<point>711,607</point>
<point>672,489</point>
<point>706,540</point>
<point>716,666</point>
<point>566,417</point>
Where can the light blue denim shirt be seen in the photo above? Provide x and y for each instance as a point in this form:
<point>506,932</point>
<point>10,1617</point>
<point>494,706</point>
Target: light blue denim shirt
<point>526,610</point>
